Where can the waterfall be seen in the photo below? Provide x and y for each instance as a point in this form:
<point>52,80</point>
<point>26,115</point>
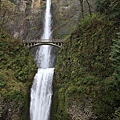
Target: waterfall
<point>41,91</point>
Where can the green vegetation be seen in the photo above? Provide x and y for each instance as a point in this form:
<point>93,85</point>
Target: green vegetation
<point>88,66</point>
<point>110,8</point>
<point>115,57</point>
<point>17,69</point>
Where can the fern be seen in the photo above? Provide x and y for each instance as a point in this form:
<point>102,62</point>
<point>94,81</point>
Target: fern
<point>115,57</point>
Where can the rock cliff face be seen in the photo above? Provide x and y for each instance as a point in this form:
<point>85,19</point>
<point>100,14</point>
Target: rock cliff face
<point>24,20</point>
<point>9,110</point>
<point>28,16</point>
<point>78,111</point>
<point>66,14</point>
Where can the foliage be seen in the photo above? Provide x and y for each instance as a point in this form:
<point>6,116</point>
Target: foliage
<point>108,100</point>
<point>93,46</point>
<point>17,69</point>
<point>117,114</point>
<point>84,69</point>
<point>7,10</point>
<point>110,8</point>
<point>115,57</point>
<point>13,1</point>
<point>13,56</point>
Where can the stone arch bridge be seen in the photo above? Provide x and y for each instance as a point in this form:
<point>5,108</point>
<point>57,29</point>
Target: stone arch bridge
<point>53,42</point>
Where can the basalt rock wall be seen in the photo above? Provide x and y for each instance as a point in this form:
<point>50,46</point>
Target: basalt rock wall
<point>66,14</point>
<point>26,19</point>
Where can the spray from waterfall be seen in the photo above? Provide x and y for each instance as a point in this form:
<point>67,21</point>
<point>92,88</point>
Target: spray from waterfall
<point>41,91</point>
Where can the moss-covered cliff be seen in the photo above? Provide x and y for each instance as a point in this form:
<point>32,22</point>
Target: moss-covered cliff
<point>17,69</point>
<point>87,73</point>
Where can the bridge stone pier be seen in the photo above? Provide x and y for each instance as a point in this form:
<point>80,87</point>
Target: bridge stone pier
<point>37,42</point>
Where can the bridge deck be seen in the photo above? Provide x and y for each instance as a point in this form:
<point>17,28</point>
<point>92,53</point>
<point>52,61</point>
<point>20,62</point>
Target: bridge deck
<point>43,41</point>
<point>53,42</point>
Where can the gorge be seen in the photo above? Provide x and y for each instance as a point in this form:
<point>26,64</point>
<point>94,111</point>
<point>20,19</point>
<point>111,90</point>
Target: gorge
<point>86,76</point>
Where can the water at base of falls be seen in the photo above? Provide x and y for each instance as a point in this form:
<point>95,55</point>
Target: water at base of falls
<point>41,94</point>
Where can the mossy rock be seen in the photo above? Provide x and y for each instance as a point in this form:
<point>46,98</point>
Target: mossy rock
<point>17,70</point>
<point>84,69</point>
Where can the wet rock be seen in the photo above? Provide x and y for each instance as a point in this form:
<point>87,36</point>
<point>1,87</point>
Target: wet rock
<point>81,110</point>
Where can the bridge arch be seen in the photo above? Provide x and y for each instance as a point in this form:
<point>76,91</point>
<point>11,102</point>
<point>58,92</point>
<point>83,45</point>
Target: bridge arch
<point>32,43</point>
<point>38,44</point>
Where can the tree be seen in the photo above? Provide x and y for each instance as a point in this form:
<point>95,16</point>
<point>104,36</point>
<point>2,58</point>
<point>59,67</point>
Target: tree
<point>89,7</point>
<point>82,7</point>
<point>82,11</point>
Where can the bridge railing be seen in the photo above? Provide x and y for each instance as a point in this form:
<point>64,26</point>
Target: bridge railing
<point>43,40</point>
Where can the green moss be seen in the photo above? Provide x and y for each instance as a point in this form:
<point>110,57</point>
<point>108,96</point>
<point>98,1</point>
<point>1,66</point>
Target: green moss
<point>84,70</point>
<point>17,69</point>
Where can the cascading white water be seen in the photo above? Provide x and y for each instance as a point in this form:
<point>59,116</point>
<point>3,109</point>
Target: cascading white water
<point>41,91</point>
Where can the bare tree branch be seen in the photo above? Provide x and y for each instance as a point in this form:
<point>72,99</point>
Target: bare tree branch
<point>82,11</point>
<point>89,7</point>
